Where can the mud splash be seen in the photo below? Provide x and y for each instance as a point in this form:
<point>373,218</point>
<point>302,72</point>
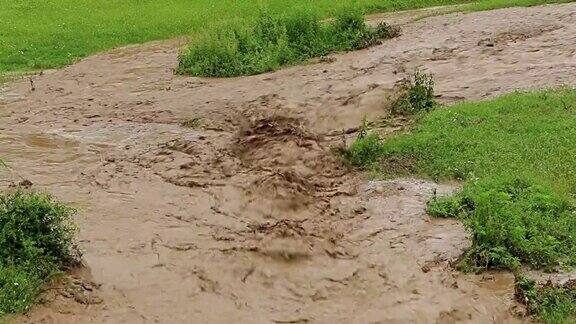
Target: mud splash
<point>249,216</point>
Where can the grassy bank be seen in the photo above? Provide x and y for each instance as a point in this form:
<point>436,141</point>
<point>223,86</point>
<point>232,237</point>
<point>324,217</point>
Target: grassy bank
<point>515,155</point>
<point>53,33</point>
<point>521,135</point>
<point>35,243</point>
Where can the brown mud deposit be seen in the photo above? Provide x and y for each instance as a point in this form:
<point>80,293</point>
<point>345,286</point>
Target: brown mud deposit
<point>248,216</point>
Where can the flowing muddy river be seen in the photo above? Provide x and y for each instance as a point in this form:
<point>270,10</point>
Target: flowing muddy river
<point>249,217</point>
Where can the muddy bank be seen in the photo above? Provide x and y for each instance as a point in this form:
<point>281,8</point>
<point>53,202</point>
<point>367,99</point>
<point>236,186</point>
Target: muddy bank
<point>248,215</point>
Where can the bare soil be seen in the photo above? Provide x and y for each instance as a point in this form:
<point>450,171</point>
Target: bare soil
<point>248,216</point>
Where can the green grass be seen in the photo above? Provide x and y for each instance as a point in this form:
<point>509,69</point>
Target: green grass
<point>275,41</point>
<point>525,135</point>
<point>366,149</point>
<point>515,154</point>
<point>53,33</point>
<point>513,222</point>
<point>35,243</point>
<point>550,303</point>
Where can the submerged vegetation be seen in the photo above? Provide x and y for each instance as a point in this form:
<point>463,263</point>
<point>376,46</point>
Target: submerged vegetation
<point>276,41</point>
<point>36,242</point>
<point>193,122</point>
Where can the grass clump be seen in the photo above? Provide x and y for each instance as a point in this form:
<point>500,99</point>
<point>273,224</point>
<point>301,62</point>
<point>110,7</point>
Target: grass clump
<point>365,151</point>
<point>555,304</point>
<point>414,95</point>
<point>512,222</point>
<point>36,242</point>
<point>274,41</point>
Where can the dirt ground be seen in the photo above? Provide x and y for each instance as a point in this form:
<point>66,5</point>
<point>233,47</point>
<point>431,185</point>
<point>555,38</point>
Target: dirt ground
<point>248,216</point>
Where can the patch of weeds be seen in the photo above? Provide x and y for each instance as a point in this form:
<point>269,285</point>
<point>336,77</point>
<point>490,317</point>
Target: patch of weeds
<point>36,242</point>
<point>274,41</point>
<point>193,122</point>
<point>513,222</point>
<point>385,31</point>
<point>414,95</point>
<point>555,304</point>
<point>365,151</point>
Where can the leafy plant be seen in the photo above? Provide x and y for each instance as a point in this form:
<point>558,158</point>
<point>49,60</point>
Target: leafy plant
<point>414,95</point>
<point>36,241</point>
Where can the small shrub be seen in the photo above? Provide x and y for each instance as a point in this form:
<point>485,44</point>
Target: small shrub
<point>276,41</point>
<point>414,95</point>
<point>36,238</point>
<point>385,30</point>
<point>365,151</point>
<point>512,222</point>
<point>549,303</point>
<point>350,31</point>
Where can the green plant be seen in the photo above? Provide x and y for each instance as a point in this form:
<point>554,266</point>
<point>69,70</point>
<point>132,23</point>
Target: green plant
<point>274,41</point>
<point>444,207</point>
<point>414,95</point>
<point>365,151</point>
<point>512,221</point>
<point>36,242</point>
<point>554,304</point>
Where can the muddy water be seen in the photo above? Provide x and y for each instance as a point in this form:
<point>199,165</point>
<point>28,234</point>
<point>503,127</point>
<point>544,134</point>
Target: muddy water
<point>250,217</point>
